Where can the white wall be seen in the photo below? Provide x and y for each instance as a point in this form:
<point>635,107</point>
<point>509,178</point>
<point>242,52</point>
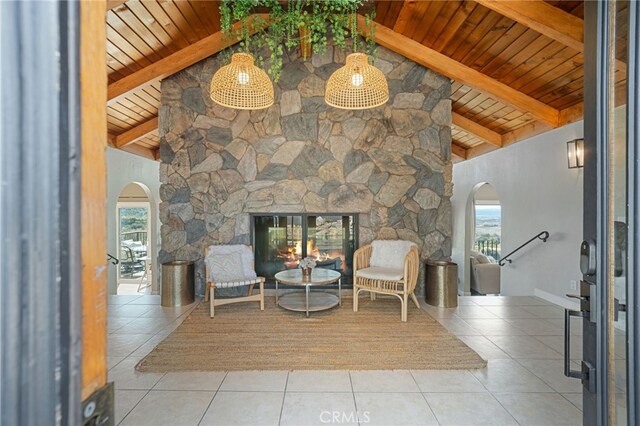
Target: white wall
<point>122,169</point>
<point>537,192</point>
<point>487,194</point>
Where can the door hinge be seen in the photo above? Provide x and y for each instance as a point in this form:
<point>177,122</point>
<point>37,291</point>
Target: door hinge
<point>98,409</point>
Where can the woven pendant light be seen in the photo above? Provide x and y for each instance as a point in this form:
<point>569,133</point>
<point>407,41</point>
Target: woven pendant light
<point>357,85</point>
<point>242,85</point>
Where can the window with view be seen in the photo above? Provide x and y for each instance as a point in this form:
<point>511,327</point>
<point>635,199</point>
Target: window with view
<point>488,218</point>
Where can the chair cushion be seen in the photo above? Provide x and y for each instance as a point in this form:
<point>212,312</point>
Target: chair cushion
<point>230,263</point>
<point>378,273</point>
<point>481,258</point>
<point>389,253</point>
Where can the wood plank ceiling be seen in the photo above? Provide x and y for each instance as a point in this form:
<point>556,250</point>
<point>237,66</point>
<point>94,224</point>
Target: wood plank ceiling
<point>477,35</point>
<point>140,33</point>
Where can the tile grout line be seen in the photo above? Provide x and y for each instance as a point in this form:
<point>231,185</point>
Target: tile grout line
<point>353,395</point>
<point>535,336</point>
<point>491,393</point>
<point>284,395</point>
<point>424,397</point>
<point>214,397</point>
<point>132,408</point>
<point>538,376</point>
<point>505,408</point>
<point>567,399</point>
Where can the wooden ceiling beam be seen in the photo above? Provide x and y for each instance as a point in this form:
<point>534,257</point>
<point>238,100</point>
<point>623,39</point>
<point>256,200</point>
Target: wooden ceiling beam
<point>567,116</point>
<point>170,65</point>
<point>543,18</point>
<point>478,150</point>
<point>547,20</point>
<point>114,3</point>
<point>148,153</point>
<point>453,69</point>
<point>136,133</point>
<point>458,150</point>
<point>476,129</point>
<point>305,43</point>
<point>521,133</point>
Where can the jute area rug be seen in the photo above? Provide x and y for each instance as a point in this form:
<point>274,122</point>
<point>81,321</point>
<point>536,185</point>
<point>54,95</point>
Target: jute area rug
<point>241,337</point>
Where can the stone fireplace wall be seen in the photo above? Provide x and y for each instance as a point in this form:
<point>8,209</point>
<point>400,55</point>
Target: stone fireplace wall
<point>391,164</point>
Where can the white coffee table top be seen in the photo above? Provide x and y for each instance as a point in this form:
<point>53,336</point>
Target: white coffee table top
<point>319,276</point>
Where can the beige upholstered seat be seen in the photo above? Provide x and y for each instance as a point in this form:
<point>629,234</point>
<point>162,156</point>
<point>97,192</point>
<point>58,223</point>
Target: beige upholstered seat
<point>485,274</point>
<point>228,266</point>
<point>386,267</point>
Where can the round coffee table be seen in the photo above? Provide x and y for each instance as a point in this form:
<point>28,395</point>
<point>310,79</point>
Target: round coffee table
<point>309,301</point>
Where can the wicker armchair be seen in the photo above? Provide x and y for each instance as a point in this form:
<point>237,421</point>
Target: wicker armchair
<point>231,266</point>
<point>393,275</point>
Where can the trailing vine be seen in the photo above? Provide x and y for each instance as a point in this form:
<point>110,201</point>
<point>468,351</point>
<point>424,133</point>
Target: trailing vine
<point>291,22</point>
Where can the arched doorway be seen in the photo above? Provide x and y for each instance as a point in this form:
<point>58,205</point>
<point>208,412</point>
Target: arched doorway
<point>135,240</point>
<point>483,236</point>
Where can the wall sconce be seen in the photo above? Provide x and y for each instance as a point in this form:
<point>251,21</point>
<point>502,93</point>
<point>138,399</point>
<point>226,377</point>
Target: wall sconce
<point>575,153</point>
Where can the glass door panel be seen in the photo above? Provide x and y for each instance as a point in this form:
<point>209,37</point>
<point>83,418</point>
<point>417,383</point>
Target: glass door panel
<point>331,240</point>
<point>133,231</point>
<point>617,281</point>
<point>277,243</point>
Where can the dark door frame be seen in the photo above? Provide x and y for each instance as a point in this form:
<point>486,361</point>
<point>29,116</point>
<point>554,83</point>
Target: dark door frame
<point>633,213</point>
<point>597,110</point>
<point>40,293</point>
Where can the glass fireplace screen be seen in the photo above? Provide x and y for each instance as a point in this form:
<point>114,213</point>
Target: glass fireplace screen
<point>281,241</point>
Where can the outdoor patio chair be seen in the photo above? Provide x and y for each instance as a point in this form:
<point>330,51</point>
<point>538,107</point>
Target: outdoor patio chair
<point>228,266</point>
<point>387,267</point>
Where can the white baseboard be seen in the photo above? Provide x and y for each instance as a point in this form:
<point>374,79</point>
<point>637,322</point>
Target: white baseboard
<point>557,300</point>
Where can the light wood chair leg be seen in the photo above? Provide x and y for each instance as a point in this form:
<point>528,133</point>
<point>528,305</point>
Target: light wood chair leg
<point>211,301</point>
<point>373,295</point>
<point>261,295</point>
<point>250,291</point>
<point>415,300</point>
<point>404,307</point>
<point>355,299</point>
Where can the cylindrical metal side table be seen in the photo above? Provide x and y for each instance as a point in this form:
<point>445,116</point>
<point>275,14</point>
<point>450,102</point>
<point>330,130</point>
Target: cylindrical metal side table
<point>441,284</point>
<point>177,283</point>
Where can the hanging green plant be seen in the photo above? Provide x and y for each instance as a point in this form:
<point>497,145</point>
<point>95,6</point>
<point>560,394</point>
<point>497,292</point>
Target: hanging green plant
<point>290,24</point>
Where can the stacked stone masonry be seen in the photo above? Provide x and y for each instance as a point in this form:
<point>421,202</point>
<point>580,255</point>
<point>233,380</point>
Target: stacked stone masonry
<point>391,165</point>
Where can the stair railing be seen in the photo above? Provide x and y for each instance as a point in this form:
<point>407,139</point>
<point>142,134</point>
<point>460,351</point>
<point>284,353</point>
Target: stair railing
<point>544,236</point>
<point>112,259</point>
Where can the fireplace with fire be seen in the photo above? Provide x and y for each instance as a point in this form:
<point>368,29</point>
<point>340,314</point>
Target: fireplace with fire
<point>280,241</point>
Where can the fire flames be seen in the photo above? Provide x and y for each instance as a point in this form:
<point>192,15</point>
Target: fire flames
<point>292,255</point>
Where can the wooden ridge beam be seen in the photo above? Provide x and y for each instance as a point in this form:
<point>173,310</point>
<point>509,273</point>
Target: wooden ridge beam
<point>453,69</point>
<point>481,132</point>
<point>136,133</point>
<point>170,65</point>
<point>543,18</point>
